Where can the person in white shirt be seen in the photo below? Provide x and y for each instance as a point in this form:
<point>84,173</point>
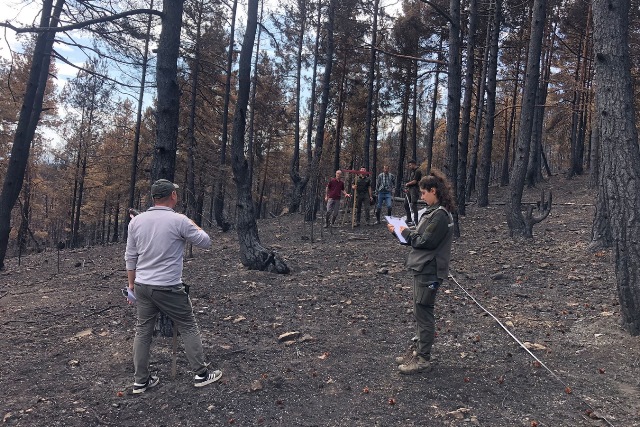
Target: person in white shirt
<point>154,259</point>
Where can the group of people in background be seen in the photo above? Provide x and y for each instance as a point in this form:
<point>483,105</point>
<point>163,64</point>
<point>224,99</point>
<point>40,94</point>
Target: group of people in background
<point>363,192</point>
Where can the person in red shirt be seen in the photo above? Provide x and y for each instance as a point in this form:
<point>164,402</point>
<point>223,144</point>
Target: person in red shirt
<point>333,192</point>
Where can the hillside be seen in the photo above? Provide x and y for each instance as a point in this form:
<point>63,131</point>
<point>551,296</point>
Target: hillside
<point>67,336</point>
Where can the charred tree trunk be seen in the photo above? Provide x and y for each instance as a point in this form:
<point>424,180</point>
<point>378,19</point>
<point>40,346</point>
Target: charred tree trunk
<point>466,106</point>
<point>252,104</point>
<point>414,115</point>
<point>314,77</point>
<point>168,92</point>
<point>340,116</point>
<point>513,207</point>
<point>218,203</point>
<point>167,112</point>
<point>76,217</point>
<point>434,108</point>
<point>299,183</point>
<point>136,138</point>
<point>406,97</point>
<point>454,91</point>
<point>578,106</point>
<point>23,230</point>
<point>479,113</point>
<point>510,123</point>
<point>370,86</point>
<point>116,221</point>
<point>484,173</point>
<point>601,228</point>
<point>534,169</point>
<point>27,122</point>
<point>252,254</point>
<point>620,155</point>
<point>322,114</point>
<point>191,131</point>
<point>376,100</point>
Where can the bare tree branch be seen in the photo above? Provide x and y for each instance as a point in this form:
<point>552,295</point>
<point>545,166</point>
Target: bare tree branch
<point>441,12</point>
<point>411,58</point>
<point>93,73</point>
<point>83,24</point>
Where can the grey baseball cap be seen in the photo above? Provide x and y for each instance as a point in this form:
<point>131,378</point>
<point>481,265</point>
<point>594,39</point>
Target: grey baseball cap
<point>162,188</point>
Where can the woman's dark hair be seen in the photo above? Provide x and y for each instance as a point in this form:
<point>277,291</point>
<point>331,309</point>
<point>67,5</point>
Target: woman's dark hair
<point>437,180</point>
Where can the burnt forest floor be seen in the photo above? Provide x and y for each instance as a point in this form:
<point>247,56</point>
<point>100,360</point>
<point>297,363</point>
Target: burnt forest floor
<point>66,336</point>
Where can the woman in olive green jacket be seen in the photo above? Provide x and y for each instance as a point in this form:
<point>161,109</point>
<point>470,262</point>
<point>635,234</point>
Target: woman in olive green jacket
<point>428,261</point>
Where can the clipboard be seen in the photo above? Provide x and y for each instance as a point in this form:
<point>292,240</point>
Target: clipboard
<point>397,223</point>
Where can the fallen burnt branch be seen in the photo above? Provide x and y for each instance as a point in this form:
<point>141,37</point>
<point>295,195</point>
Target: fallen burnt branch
<point>100,311</point>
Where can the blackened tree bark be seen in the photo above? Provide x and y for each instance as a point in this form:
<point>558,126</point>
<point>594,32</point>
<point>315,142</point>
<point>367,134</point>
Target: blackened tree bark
<point>322,112</point>
<point>168,104</point>
<point>479,113</point>
<point>312,97</point>
<point>484,172</point>
<point>299,182</point>
<point>513,207</point>
<point>190,199</point>
<point>218,203</point>
<point>534,169</point>
<point>340,114</point>
<point>406,97</point>
<point>578,104</point>
<point>27,122</point>
<point>601,227</point>
<point>252,254</point>
<point>454,91</point>
<point>136,137</point>
<point>370,87</point>
<point>466,106</point>
<point>620,155</point>
<point>414,115</point>
<point>252,110</point>
<point>434,108</point>
<point>168,92</point>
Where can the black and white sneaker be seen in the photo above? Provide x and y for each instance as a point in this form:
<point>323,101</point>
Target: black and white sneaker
<point>207,378</point>
<point>152,381</point>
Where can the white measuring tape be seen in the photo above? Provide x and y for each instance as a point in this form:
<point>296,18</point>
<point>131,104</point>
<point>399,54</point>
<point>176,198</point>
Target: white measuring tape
<point>523,346</point>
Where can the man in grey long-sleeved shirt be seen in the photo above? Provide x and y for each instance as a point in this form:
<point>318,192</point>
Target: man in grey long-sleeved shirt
<point>154,258</point>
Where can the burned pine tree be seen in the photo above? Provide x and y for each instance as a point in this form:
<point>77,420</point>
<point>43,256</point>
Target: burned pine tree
<point>252,254</point>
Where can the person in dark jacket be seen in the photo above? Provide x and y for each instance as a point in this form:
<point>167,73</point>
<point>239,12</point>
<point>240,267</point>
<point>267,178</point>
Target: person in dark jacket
<point>412,193</point>
<point>428,261</point>
<point>364,195</point>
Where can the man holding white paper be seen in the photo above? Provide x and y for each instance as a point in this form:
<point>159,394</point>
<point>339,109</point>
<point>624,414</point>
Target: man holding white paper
<point>154,259</point>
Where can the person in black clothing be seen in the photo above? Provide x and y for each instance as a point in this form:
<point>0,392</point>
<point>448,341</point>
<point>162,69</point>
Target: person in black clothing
<point>412,192</point>
<point>364,195</point>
